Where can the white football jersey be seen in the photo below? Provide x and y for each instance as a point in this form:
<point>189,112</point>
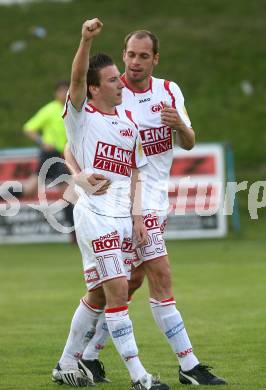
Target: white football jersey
<point>157,139</point>
<point>109,145</point>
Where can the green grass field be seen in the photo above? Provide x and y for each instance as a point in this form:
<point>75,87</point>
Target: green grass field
<point>219,285</point>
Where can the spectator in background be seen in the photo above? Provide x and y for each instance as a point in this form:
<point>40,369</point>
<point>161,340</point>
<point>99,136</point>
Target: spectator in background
<point>46,128</point>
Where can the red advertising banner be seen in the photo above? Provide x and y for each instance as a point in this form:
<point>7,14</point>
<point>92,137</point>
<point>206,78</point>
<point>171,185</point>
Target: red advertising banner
<point>28,224</point>
<point>196,193</point>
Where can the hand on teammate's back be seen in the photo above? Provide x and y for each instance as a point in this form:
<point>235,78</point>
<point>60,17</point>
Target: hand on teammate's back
<point>93,184</point>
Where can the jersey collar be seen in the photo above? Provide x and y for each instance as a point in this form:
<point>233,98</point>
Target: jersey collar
<point>92,108</point>
<point>123,78</point>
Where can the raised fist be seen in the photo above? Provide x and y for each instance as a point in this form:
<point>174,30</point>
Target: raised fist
<point>91,28</point>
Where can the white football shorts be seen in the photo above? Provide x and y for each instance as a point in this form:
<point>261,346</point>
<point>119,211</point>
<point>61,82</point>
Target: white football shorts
<point>105,244</point>
<point>155,247</point>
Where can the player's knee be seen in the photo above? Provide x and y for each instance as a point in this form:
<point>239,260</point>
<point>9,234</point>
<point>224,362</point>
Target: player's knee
<point>116,292</point>
<point>160,280</point>
<point>116,301</point>
<point>96,298</point>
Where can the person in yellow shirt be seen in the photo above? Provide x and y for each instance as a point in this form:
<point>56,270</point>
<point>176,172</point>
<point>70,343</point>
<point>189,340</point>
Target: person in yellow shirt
<point>46,128</point>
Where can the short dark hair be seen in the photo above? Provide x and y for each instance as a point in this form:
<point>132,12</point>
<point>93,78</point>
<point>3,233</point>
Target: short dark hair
<point>139,34</point>
<point>97,62</point>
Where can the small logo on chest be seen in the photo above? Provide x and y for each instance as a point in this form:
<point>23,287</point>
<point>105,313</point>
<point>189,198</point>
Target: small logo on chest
<point>126,133</point>
<point>144,100</point>
<point>157,107</point>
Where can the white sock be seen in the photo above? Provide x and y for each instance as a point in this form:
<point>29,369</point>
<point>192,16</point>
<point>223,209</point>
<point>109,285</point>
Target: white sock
<point>121,331</point>
<point>171,324</point>
<point>82,326</point>
<point>98,341</point>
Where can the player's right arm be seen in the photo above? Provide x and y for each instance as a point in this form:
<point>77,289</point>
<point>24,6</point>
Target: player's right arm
<point>78,84</point>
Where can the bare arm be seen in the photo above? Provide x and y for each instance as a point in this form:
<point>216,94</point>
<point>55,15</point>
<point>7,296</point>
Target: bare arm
<point>78,84</point>
<point>139,228</point>
<point>135,193</point>
<point>71,162</point>
<point>185,136</point>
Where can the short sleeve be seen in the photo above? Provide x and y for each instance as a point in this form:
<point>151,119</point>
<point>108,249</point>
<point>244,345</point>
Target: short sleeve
<point>179,103</point>
<point>139,158</point>
<point>74,121</point>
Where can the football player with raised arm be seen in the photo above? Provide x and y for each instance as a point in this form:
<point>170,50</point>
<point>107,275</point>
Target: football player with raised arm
<point>104,138</point>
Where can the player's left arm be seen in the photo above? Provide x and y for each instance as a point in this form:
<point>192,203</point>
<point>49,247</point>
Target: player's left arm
<point>185,135</point>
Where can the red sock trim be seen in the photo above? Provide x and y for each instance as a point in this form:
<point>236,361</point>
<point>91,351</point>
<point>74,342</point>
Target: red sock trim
<point>165,302</point>
<point>168,300</point>
<point>94,308</point>
<point>116,309</point>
